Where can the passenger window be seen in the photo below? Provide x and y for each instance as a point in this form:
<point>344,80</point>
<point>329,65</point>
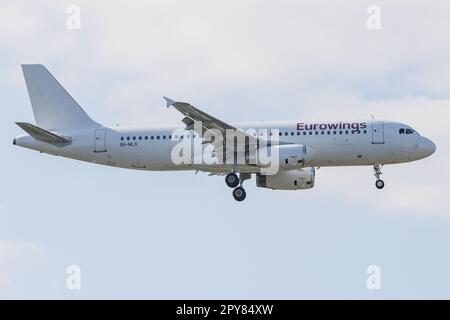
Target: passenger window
<point>122,138</point>
<point>365,131</point>
<point>134,138</point>
<point>292,133</point>
<point>310,133</point>
<point>317,132</point>
<point>157,137</point>
<point>322,133</point>
<point>140,137</point>
<point>128,138</point>
<point>285,133</point>
<point>152,137</point>
<point>146,137</point>
<point>164,137</point>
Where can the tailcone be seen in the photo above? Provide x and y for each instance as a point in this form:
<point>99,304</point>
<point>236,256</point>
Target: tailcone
<point>25,142</point>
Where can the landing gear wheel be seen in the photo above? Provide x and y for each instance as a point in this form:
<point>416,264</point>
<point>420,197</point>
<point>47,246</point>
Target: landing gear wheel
<point>232,180</point>
<point>379,184</point>
<point>239,194</point>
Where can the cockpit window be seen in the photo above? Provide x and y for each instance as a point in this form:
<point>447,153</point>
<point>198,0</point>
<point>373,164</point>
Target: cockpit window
<point>406,131</point>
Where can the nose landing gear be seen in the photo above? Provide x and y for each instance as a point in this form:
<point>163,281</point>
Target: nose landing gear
<point>377,173</point>
<point>379,184</point>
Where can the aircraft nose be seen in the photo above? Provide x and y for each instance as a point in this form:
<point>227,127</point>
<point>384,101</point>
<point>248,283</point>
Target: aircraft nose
<point>429,147</point>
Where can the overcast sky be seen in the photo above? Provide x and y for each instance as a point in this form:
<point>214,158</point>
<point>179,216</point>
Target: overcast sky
<point>179,235</point>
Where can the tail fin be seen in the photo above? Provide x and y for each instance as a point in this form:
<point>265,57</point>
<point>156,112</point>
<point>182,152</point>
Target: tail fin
<point>53,107</point>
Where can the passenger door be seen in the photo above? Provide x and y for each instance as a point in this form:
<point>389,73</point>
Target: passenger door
<point>377,132</point>
<point>100,140</point>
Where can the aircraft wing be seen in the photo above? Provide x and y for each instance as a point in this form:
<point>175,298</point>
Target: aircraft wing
<point>208,122</point>
<point>212,124</point>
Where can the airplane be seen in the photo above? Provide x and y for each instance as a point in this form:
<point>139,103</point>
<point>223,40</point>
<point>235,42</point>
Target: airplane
<point>64,129</point>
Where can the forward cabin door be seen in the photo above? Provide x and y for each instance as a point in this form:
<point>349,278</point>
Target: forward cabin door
<point>100,140</point>
<point>377,132</point>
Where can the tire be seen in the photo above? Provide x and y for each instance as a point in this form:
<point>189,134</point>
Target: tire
<point>379,184</point>
<point>239,194</point>
<point>232,180</point>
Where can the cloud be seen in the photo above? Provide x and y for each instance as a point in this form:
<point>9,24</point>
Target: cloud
<point>16,257</point>
<point>244,43</point>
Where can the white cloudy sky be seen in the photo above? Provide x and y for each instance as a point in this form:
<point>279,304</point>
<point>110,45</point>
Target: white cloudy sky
<point>176,235</point>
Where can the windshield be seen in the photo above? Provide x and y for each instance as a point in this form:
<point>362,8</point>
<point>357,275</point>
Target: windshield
<point>407,131</point>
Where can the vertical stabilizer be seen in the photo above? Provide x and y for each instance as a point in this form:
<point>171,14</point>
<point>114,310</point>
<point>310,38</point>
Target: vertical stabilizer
<point>53,107</point>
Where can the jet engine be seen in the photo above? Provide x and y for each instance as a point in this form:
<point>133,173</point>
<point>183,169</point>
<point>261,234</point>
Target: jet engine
<point>288,157</point>
<point>288,180</point>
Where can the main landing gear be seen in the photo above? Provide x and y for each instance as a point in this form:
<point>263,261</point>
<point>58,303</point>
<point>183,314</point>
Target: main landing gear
<point>233,181</point>
<point>239,194</point>
<point>377,173</point>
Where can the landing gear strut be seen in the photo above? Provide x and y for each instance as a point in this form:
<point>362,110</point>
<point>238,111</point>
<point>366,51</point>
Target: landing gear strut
<point>377,173</point>
<point>233,181</point>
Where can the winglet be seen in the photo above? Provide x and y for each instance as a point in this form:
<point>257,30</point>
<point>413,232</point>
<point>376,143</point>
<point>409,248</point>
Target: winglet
<point>169,102</point>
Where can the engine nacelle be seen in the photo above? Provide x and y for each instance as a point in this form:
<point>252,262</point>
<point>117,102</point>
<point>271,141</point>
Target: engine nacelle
<point>289,157</point>
<point>288,180</point>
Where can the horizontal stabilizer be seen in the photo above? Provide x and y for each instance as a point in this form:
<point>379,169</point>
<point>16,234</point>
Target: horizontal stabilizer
<point>41,134</point>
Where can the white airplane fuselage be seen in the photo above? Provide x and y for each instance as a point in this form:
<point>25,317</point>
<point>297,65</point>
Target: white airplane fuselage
<point>150,148</point>
<point>204,143</point>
